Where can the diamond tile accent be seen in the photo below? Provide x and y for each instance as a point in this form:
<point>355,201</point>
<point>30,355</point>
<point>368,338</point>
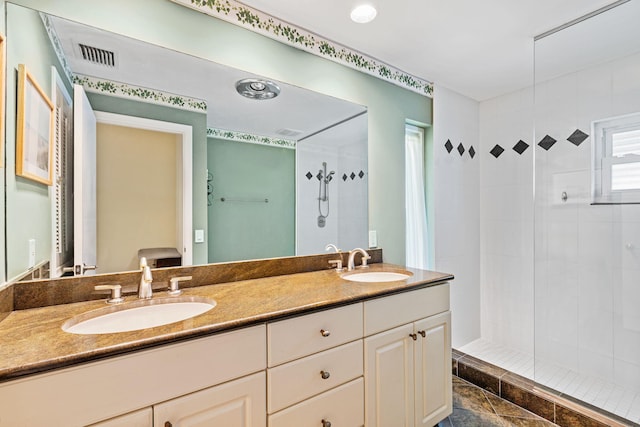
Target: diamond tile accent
<point>547,142</point>
<point>319,176</point>
<point>520,147</point>
<point>496,151</point>
<point>344,177</point>
<point>309,175</point>
<point>361,174</point>
<point>449,146</point>
<point>472,152</point>
<point>353,175</point>
<point>577,137</point>
<point>461,149</point>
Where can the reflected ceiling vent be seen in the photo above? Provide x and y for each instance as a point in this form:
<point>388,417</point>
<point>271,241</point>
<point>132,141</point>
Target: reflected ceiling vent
<point>97,56</point>
<point>289,132</point>
<point>257,89</point>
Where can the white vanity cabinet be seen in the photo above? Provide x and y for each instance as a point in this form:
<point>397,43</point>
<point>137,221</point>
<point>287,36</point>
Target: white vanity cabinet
<point>315,369</point>
<point>407,368</point>
<point>239,403</point>
<point>107,389</point>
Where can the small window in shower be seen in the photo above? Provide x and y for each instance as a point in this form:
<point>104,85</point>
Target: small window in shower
<point>616,160</point>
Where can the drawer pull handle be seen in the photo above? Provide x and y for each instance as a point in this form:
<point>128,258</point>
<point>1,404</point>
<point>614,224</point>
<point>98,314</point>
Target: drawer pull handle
<point>326,423</point>
<point>325,374</point>
<point>414,336</point>
<point>324,332</point>
<point>423,333</point>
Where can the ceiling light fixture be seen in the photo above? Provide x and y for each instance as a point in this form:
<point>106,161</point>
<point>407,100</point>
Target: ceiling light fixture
<point>363,13</point>
<point>257,89</point>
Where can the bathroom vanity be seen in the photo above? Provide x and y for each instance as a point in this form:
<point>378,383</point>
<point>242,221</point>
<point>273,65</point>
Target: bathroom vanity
<point>309,349</point>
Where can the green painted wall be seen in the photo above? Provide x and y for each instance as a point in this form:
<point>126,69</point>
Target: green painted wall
<point>28,204</point>
<point>251,230</point>
<point>198,122</point>
<point>177,27</point>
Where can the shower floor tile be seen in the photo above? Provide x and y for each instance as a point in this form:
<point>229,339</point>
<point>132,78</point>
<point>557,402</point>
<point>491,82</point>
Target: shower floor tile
<point>608,396</point>
<point>473,406</point>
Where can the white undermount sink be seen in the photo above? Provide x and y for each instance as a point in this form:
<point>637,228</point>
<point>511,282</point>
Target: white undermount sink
<point>137,315</point>
<point>377,276</point>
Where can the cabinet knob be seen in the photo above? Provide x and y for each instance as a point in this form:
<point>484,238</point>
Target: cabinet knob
<point>423,333</point>
<point>414,336</point>
<point>324,332</point>
<point>325,374</point>
<point>168,424</point>
<point>326,423</point>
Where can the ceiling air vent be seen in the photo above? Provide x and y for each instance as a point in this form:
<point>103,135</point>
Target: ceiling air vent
<point>288,132</point>
<point>97,55</point>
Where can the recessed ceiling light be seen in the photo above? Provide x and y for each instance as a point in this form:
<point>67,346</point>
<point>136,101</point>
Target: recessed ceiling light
<point>257,88</point>
<point>363,14</point>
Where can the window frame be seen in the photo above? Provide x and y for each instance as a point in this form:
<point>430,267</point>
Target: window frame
<point>603,161</point>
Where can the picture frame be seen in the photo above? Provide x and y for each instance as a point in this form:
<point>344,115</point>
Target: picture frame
<point>34,130</point>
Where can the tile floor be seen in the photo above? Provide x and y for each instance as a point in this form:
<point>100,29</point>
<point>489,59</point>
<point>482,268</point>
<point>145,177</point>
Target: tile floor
<point>473,406</point>
<point>613,398</point>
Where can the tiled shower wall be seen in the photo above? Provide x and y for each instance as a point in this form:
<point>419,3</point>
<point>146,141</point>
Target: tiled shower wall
<point>346,225</point>
<point>456,207</point>
<point>506,220</point>
<point>587,257</point>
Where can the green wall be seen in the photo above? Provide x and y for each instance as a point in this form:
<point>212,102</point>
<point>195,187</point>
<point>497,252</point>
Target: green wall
<point>174,26</point>
<point>251,230</point>
<point>27,202</point>
<point>198,122</point>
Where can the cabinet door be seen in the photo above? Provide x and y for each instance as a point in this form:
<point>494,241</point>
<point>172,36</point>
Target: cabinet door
<point>239,403</point>
<point>433,370</point>
<point>389,381</point>
<point>141,418</point>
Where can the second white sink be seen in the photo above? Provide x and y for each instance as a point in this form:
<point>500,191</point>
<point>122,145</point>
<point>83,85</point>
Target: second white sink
<point>376,276</point>
<point>138,315</point>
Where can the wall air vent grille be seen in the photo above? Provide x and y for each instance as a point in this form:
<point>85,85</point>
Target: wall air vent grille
<point>97,55</point>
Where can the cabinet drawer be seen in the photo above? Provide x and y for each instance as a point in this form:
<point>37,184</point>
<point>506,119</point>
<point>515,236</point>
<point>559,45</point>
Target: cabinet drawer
<point>300,336</point>
<point>141,418</point>
<point>386,313</point>
<point>342,406</point>
<point>295,381</point>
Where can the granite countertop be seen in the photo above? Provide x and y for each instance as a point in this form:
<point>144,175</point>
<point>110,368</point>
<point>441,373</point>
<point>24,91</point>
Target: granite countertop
<point>33,341</point>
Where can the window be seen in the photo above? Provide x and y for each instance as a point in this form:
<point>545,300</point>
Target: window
<point>415,203</point>
<point>616,160</point>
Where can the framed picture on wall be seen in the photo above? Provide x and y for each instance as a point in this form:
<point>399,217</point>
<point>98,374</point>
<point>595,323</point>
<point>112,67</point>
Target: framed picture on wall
<point>34,131</point>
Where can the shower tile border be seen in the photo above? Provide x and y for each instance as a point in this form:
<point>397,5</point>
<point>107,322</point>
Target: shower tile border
<point>546,403</point>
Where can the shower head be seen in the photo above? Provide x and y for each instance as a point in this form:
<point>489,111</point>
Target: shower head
<point>329,176</point>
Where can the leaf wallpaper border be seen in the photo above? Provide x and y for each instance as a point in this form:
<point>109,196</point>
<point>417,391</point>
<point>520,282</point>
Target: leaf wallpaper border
<point>259,22</point>
<point>235,136</point>
<point>138,93</point>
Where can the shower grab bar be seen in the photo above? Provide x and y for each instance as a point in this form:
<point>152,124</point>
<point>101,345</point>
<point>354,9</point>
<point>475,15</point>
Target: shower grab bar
<point>231,199</point>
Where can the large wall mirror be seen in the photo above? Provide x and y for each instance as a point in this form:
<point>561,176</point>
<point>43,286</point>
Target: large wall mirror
<point>182,159</point>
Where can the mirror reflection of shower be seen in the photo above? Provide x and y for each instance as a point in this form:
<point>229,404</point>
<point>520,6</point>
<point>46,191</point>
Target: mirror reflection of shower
<point>323,194</point>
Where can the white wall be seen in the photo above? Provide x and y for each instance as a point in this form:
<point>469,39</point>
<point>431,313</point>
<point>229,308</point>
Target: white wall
<point>506,221</point>
<point>457,208</point>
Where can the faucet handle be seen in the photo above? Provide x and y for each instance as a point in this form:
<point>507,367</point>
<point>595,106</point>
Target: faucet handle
<point>174,282</point>
<point>116,293</point>
<point>338,264</point>
<point>364,259</point>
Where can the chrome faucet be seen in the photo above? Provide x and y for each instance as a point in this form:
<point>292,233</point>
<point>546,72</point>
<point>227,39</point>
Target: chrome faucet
<point>145,291</point>
<point>352,255</point>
